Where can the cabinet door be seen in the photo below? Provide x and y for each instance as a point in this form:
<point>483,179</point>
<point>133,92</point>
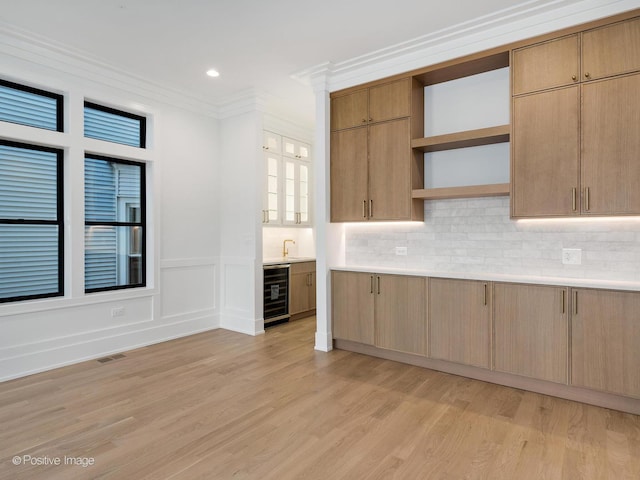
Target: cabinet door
<point>350,110</point>
<point>545,148</point>
<point>604,341</point>
<point>611,146</point>
<point>302,285</point>
<point>290,191</point>
<point>296,192</point>
<point>271,142</point>
<point>401,317</point>
<point>389,101</point>
<point>303,194</point>
<point>296,149</point>
<point>546,65</point>
<point>531,331</point>
<point>312,288</point>
<point>349,175</point>
<point>390,171</point>
<point>352,306</point>
<point>299,296</point>
<point>459,315</point>
<point>611,50</point>
<point>271,202</point>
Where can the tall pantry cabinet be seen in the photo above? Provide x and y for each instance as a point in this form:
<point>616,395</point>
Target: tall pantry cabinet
<point>576,124</point>
<point>371,157</point>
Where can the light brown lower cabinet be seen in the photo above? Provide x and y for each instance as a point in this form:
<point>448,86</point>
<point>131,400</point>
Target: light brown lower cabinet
<point>302,287</point>
<point>605,340</point>
<point>546,338</point>
<point>400,313</point>
<point>531,331</point>
<point>388,311</point>
<point>352,306</point>
<point>459,316</point>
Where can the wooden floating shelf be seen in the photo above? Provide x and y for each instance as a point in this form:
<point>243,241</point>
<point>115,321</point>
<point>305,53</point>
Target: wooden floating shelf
<point>493,190</point>
<point>470,138</point>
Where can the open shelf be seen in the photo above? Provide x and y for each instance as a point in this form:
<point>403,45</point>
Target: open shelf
<point>496,189</point>
<point>459,68</point>
<point>469,138</point>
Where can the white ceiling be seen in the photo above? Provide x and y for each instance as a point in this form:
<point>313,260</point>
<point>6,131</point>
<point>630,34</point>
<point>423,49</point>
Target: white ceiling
<point>255,44</point>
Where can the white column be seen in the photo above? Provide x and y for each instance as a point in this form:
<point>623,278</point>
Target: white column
<point>329,236</point>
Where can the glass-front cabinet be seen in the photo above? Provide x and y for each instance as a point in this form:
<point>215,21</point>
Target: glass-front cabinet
<point>287,193</point>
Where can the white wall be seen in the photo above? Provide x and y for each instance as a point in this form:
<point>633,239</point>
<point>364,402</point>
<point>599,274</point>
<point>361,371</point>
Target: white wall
<point>183,221</point>
<point>240,191</point>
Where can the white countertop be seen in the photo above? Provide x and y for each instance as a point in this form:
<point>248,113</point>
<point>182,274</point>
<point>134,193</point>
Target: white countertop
<point>282,260</point>
<point>497,277</point>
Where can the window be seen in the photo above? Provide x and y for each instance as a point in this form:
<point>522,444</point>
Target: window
<point>30,106</point>
<point>115,126</point>
<point>114,224</point>
<point>31,222</point>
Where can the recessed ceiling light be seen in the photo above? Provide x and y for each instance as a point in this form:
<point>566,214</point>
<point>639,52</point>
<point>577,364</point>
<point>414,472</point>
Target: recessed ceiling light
<point>213,72</point>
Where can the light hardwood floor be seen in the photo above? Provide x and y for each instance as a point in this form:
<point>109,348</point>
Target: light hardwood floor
<point>222,405</point>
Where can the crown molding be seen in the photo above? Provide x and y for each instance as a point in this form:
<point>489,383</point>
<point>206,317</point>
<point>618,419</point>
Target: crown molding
<point>515,23</point>
<point>283,126</point>
<point>246,101</point>
<point>27,46</point>
<point>33,49</point>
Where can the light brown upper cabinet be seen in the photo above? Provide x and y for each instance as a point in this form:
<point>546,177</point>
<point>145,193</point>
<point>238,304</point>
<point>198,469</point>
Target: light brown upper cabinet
<point>459,318</point>
<point>598,53</point>
<point>546,65</point>
<point>611,50</point>
<point>605,334</point>
<point>390,171</point>
<point>531,331</point>
<point>349,175</point>
<point>575,149</point>
<point>546,151</point>
<point>370,105</point>
<point>371,157</point>
<point>611,146</point>
<point>371,172</point>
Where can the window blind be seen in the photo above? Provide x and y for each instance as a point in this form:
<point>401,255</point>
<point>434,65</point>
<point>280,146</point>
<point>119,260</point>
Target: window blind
<point>103,123</point>
<point>31,233</point>
<point>31,107</point>
<point>114,224</point>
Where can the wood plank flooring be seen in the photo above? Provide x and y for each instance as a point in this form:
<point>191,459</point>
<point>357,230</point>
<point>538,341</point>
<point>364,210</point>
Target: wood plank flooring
<point>221,405</point>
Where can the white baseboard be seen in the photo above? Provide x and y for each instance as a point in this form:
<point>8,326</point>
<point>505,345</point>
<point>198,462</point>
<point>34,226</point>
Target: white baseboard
<point>60,354</point>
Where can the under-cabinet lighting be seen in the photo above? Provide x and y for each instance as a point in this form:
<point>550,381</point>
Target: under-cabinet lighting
<point>579,219</point>
<point>390,225</point>
<point>212,72</point>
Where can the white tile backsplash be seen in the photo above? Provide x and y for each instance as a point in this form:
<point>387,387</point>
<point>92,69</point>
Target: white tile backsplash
<point>477,236</point>
<point>272,238</point>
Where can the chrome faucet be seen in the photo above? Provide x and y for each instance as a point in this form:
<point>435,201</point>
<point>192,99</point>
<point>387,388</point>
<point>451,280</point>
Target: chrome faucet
<point>285,252</point>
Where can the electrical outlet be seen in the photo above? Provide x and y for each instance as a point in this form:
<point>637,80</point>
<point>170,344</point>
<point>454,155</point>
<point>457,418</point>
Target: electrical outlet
<point>401,250</point>
<point>117,312</point>
<point>572,256</point>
